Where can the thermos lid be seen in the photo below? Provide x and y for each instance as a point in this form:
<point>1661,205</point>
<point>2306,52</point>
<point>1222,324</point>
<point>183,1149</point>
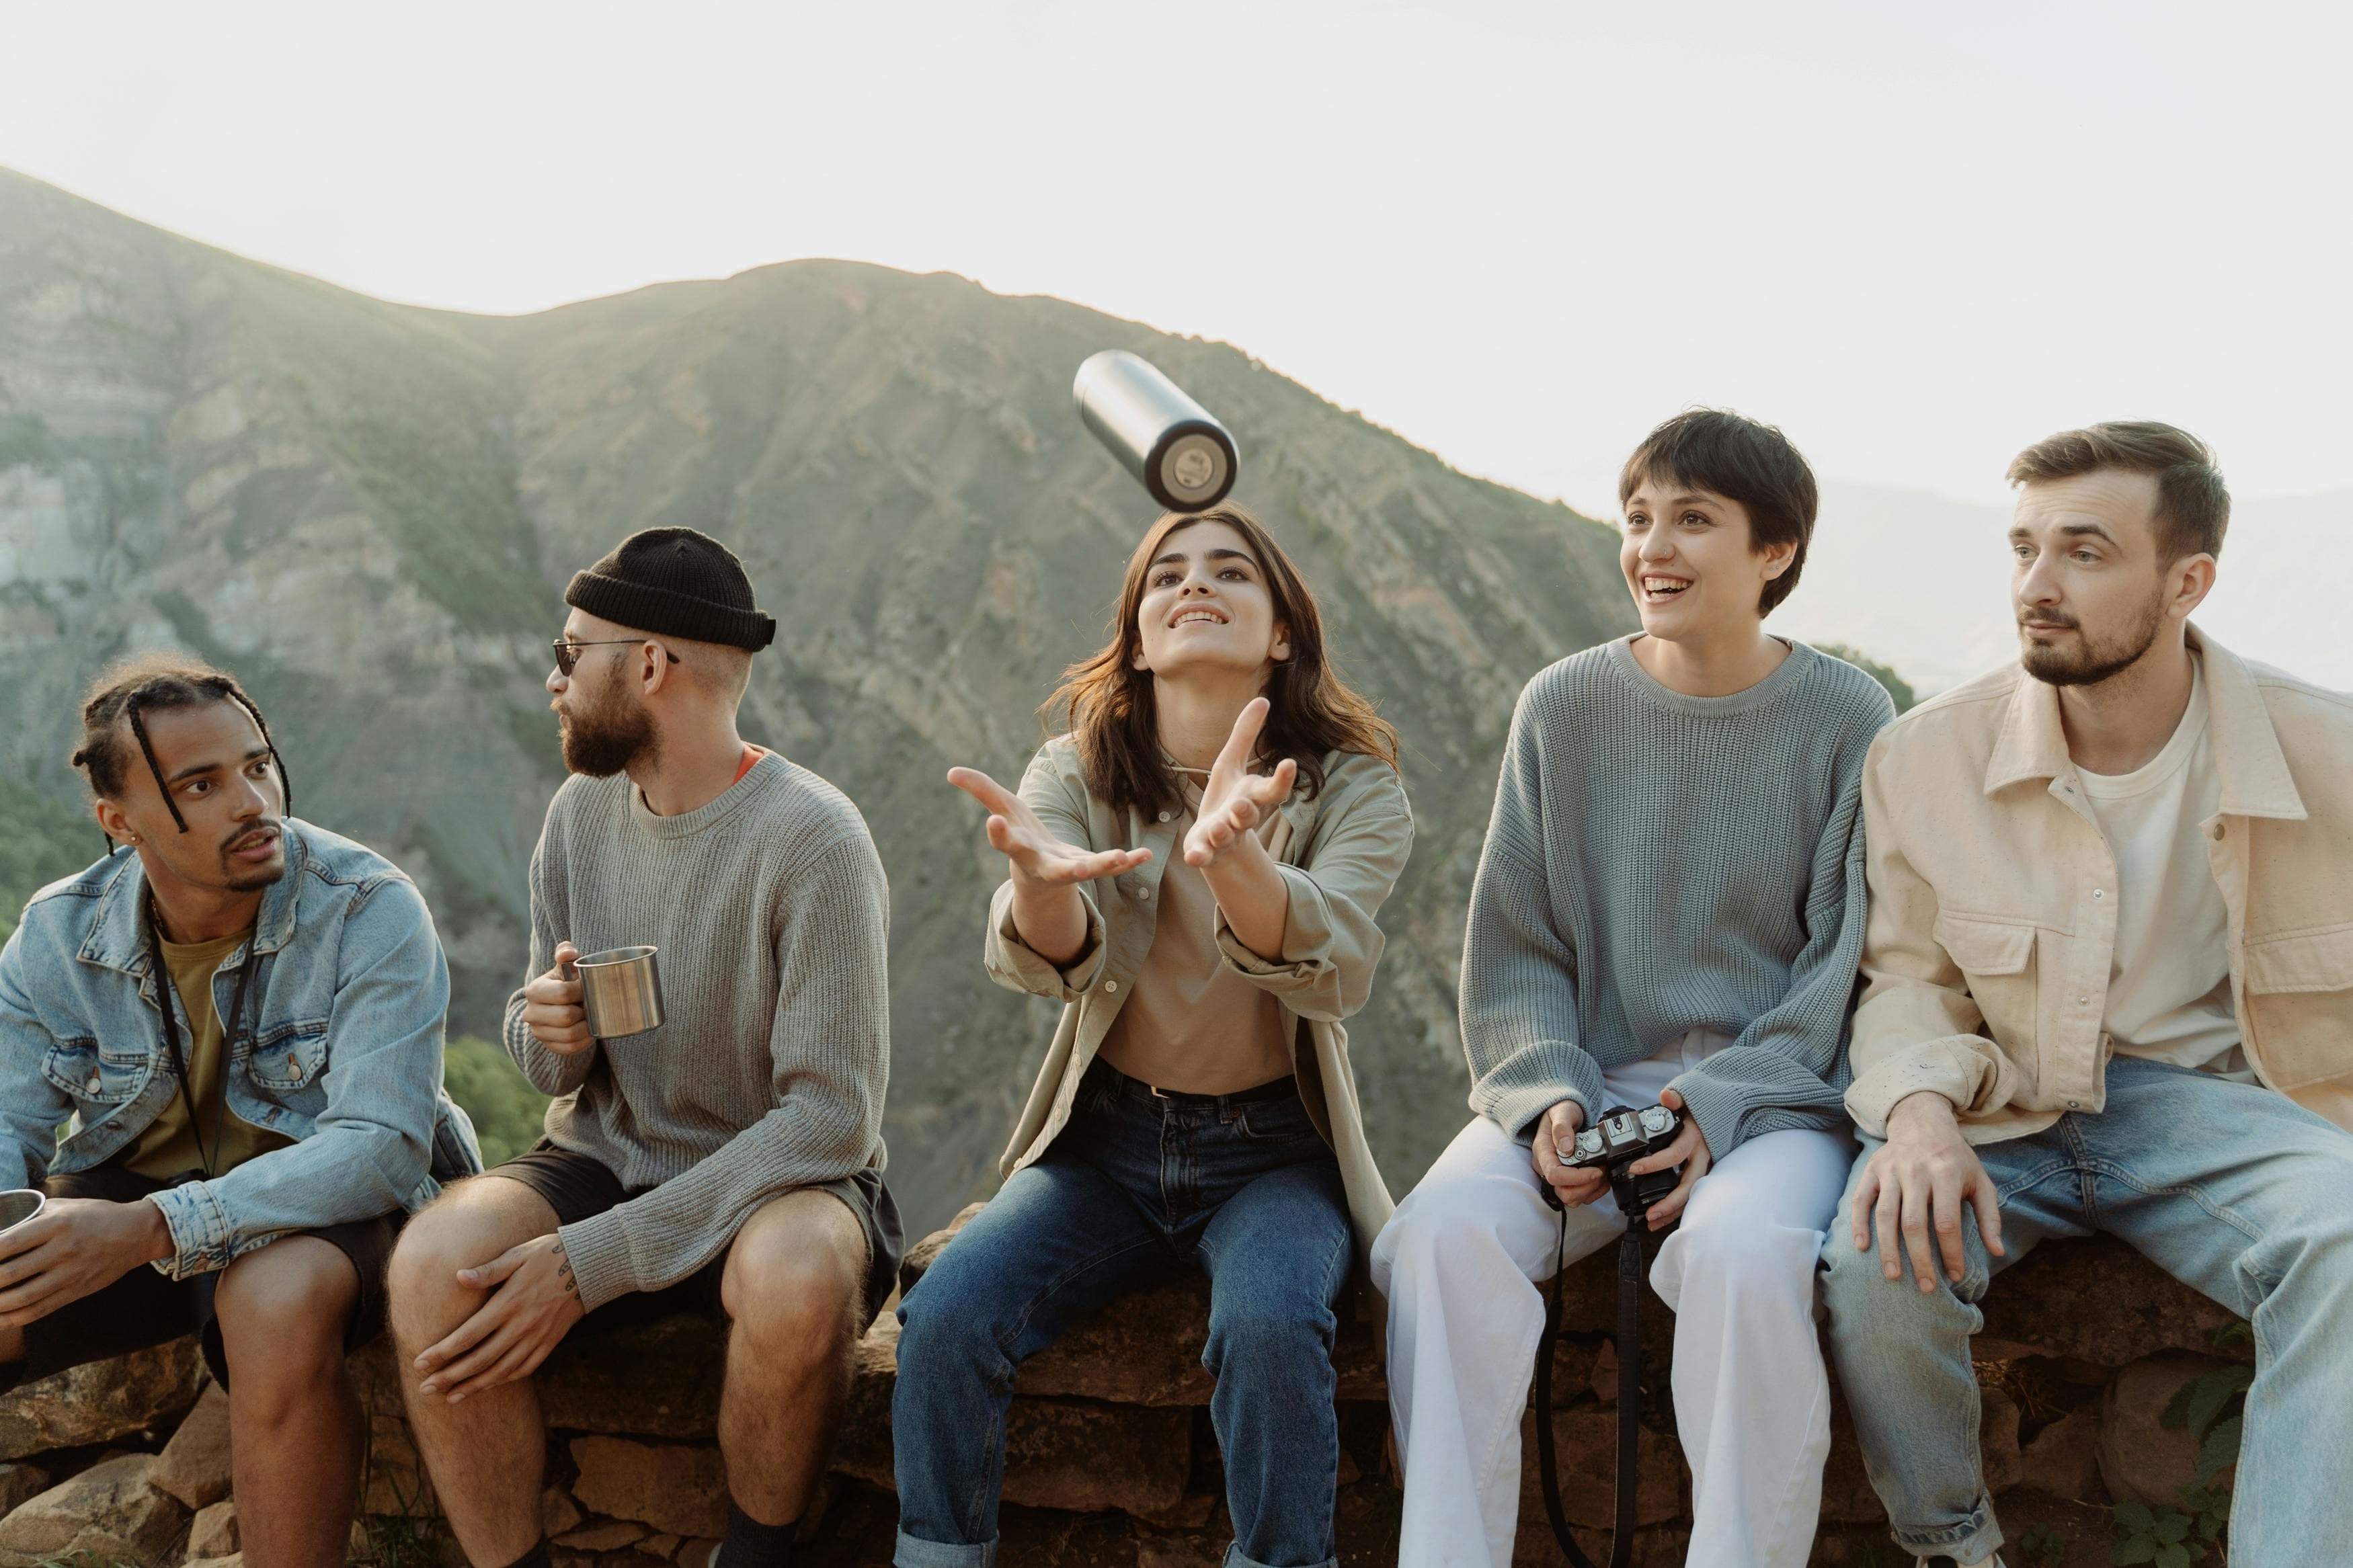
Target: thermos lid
<point>1172,444</point>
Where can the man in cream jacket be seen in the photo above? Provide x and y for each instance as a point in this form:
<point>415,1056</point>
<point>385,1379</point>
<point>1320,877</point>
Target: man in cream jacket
<point>2108,987</point>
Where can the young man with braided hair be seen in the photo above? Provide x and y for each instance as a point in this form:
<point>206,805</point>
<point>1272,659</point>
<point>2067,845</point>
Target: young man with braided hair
<point>239,1026</point>
<point>728,1159</point>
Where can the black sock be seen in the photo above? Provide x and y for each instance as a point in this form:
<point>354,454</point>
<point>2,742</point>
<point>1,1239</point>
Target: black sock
<point>751,1544</point>
<point>534,1558</point>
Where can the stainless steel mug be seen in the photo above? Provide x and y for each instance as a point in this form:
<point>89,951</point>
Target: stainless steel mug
<point>19,1204</point>
<point>1182,455</point>
<point>621,990</point>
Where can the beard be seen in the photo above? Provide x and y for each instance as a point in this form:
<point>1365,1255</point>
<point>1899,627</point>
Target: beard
<point>2090,659</point>
<point>239,878</point>
<point>606,735</point>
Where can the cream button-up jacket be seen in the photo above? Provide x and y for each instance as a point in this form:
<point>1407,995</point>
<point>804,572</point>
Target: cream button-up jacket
<point>1993,900</point>
<point>1339,854</point>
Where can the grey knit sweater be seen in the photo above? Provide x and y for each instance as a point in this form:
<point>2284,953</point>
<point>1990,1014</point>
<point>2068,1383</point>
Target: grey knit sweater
<point>771,912</point>
<point>1658,863</point>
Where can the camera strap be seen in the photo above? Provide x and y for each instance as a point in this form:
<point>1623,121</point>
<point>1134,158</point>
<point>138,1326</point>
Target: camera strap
<point>1630,1399</point>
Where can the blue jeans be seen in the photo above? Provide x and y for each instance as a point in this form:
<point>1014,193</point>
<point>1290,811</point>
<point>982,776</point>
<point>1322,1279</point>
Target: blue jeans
<point>1240,1184</point>
<point>2229,1187</point>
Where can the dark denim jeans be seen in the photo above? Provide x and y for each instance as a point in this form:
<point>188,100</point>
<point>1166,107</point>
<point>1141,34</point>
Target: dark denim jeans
<point>1239,1184</point>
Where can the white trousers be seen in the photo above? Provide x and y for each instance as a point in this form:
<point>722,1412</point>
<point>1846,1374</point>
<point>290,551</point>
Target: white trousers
<point>1459,1263</point>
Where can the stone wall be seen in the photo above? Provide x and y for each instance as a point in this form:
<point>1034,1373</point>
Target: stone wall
<point>1110,1460</point>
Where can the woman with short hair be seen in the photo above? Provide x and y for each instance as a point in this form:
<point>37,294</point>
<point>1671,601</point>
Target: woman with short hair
<point>1669,909</point>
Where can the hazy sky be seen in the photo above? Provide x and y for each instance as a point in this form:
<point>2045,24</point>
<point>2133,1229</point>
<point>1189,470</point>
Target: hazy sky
<point>1917,236</point>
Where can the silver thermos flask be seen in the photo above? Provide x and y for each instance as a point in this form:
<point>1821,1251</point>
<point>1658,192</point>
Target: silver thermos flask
<point>1183,456</point>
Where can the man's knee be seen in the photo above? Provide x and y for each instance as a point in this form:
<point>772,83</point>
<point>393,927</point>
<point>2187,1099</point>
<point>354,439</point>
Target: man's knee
<point>2318,1258</point>
<point>1870,1315</point>
<point>284,1311</point>
<point>795,1280</point>
<point>470,1223</point>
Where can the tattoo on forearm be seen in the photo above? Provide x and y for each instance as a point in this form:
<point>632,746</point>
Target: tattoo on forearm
<point>564,1271</point>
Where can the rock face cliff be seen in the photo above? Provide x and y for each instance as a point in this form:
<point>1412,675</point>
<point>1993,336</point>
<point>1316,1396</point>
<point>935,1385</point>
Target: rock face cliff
<point>368,511</point>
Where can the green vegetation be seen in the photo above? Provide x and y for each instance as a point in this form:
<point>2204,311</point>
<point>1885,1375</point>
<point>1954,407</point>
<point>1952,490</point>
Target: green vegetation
<point>42,839</point>
<point>1897,687</point>
<point>506,1110</point>
<point>2212,1409</point>
<point>2044,1548</point>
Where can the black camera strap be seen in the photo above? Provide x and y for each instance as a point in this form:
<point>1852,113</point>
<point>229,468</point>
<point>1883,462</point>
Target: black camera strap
<point>167,996</point>
<point>1630,1399</point>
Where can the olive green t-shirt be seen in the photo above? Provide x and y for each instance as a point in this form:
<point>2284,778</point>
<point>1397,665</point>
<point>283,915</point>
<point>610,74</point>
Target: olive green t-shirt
<point>168,1148</point>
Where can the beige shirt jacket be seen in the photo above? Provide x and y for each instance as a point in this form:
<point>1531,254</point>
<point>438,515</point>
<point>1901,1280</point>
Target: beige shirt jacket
<point>1993,900</point>
<point>1339,853</point>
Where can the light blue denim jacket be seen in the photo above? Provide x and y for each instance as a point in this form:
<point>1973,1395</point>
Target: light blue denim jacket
<point>340,1050</point>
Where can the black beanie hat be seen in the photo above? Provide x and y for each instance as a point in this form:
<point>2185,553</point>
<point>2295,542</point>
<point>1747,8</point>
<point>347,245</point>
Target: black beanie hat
<point>677,582</point>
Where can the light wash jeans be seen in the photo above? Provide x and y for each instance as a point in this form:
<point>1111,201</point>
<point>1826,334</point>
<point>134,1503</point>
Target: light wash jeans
<point>1243,1187</point>
<point>2229,1187</point>
<point>1459,1264</point>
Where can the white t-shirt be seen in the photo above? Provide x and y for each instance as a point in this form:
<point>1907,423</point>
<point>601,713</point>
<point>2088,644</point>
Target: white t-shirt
<point>2170,991</point>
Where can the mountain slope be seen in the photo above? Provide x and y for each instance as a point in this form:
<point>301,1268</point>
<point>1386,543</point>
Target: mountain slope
<point>369,511</point>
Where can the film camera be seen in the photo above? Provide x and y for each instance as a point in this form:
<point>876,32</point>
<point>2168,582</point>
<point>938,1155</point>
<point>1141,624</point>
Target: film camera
<point>1621,1136</point>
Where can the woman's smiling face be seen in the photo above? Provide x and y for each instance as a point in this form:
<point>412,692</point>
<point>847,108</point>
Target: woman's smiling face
<point>1206,606</point>
<point>1689,561</point>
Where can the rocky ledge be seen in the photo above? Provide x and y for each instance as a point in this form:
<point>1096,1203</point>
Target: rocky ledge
<point>1110,1461</point>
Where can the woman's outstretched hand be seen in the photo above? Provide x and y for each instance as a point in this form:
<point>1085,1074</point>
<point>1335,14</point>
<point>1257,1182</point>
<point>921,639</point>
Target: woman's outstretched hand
<point>1234,801</point>
<point>1030,847</point>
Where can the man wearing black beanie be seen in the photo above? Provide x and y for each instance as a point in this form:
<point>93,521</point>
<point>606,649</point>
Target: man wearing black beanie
<point>729,1158</point>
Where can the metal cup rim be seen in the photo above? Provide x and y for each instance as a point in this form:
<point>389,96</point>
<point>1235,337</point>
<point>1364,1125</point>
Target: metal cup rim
<point>40,1201</point>
<point>614,955</point>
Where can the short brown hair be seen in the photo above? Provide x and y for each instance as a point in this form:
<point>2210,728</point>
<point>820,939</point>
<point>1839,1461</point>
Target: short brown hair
<point>2193,508</point>
<point>1742,460</point>
<point>1108,704</point>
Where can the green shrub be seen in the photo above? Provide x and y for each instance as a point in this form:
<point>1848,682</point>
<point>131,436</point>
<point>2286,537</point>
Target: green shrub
<point>506,1110</point>
<point>42,838</point>
<point>1899,690</point>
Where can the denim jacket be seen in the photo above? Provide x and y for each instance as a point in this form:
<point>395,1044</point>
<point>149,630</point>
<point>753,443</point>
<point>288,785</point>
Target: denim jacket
<point>339,1049</point>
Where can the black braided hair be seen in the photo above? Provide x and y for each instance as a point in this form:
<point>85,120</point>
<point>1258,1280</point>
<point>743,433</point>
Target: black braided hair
<point>155,683</point>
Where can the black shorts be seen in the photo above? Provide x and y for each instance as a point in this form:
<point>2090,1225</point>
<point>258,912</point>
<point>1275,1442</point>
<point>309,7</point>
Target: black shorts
<point>577,1186</point>
<point>146,1307</point>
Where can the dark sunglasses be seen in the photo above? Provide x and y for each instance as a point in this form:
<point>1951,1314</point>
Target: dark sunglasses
<point>567,654</point>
